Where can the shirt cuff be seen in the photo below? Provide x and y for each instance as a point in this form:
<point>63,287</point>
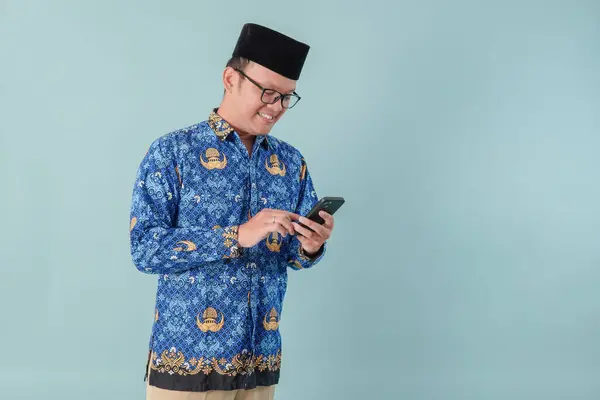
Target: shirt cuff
<point>230,241</point>
<point>301,260</point>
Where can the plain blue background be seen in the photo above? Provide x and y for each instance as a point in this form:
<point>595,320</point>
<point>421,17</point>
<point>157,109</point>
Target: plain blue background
<point>464,136</point>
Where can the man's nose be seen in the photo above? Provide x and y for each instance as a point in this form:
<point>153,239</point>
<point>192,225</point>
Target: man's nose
<point>276,107</point>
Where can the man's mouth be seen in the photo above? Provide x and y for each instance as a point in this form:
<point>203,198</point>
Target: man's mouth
<point>267,117</point>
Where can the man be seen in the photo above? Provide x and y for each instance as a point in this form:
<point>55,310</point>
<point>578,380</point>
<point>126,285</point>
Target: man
<point>215,214</point>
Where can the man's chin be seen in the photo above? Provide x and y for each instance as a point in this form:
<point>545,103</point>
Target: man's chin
<point>263,130</point>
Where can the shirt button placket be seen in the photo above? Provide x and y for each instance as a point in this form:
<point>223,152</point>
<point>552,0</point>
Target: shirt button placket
<point>251,266</point>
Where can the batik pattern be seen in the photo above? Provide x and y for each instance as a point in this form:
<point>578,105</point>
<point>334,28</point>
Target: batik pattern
<point>218,306</point>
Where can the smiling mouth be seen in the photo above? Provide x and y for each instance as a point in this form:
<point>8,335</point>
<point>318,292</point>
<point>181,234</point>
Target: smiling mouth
<point>266,117</point>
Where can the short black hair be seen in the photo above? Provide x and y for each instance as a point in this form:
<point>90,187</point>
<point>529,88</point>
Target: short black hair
<point>237,62</point>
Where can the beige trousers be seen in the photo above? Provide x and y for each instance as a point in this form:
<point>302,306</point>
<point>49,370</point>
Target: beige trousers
<point>260,393</point>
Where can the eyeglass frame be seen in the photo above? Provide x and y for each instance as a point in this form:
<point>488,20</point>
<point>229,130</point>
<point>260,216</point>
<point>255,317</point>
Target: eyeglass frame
<point>280,97</point>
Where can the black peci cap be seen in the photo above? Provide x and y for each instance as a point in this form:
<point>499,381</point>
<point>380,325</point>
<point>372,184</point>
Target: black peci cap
<point>272,50</point>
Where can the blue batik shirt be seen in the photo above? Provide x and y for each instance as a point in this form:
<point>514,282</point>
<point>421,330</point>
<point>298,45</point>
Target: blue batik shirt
<point>218,306</point>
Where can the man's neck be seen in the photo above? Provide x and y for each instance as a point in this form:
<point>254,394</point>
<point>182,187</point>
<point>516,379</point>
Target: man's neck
<point>247,138</point>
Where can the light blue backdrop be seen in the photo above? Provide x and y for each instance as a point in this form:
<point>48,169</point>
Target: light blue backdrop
<point>464,135</point>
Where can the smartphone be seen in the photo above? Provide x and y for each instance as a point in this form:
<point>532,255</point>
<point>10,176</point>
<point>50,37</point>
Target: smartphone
<point>327,204</point>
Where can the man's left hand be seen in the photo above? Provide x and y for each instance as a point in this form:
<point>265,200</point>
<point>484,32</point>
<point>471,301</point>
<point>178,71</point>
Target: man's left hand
<point>313,239</point>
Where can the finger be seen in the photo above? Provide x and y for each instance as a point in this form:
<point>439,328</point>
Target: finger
<point>280,229</point>
<point>272,225</point>
<point>284,221</point>
<point>307,233</point>
<point>318,228</point>
<point>328,218</point>
<point>294,216</point>
<point>287,214</point>
<point>307,243</point>
<point>287,224</point>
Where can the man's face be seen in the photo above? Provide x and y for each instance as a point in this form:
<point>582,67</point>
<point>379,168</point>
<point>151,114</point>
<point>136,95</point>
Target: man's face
<point>256,117</point>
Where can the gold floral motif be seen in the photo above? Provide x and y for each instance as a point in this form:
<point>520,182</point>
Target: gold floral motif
<point>221,127</point>
<point>187,246</point>
<point>273,322</point>
<point>240,364</point>
<point>173,362</point>
<point>156,315</point>
<point>132,223</point>
<point>274,166</point>
<point>270,363</point>
<point>209,321</point>
<point>273,242</point>
<point>303,170</point>
<point>214,159</point>
<point>231,235</point>
<point>296,264</point>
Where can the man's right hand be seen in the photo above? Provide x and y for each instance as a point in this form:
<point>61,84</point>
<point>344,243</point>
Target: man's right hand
<point>263,224</point>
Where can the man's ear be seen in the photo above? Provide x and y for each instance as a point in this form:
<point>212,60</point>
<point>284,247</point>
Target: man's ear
<point>230,79</point>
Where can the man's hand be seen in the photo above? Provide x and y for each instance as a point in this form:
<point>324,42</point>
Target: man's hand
<point>263,224</point>
<point>312,239</point>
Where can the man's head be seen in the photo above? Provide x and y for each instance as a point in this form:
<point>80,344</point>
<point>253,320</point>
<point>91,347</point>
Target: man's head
<point>260,79</point>
<point>258,95</point>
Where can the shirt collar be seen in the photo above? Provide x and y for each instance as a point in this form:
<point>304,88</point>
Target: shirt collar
<point>224,131</point>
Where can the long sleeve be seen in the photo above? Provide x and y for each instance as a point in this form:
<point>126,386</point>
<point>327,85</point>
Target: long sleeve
<point>158,246</point>
<point>307,199</point>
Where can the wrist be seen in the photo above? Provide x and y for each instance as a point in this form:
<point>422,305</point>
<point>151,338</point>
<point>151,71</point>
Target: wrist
<point>310,253</point>
<point>242,236</point>
<point>245,236</point>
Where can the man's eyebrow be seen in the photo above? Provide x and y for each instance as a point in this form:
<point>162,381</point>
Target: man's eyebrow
<point>289,91</point>
<point>269,85</point>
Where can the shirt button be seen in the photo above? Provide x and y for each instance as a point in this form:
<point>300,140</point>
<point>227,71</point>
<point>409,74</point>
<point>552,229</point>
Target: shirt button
<point>253,185</point>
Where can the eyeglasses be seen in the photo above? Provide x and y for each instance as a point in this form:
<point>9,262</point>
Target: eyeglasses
<point>271,96</point>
